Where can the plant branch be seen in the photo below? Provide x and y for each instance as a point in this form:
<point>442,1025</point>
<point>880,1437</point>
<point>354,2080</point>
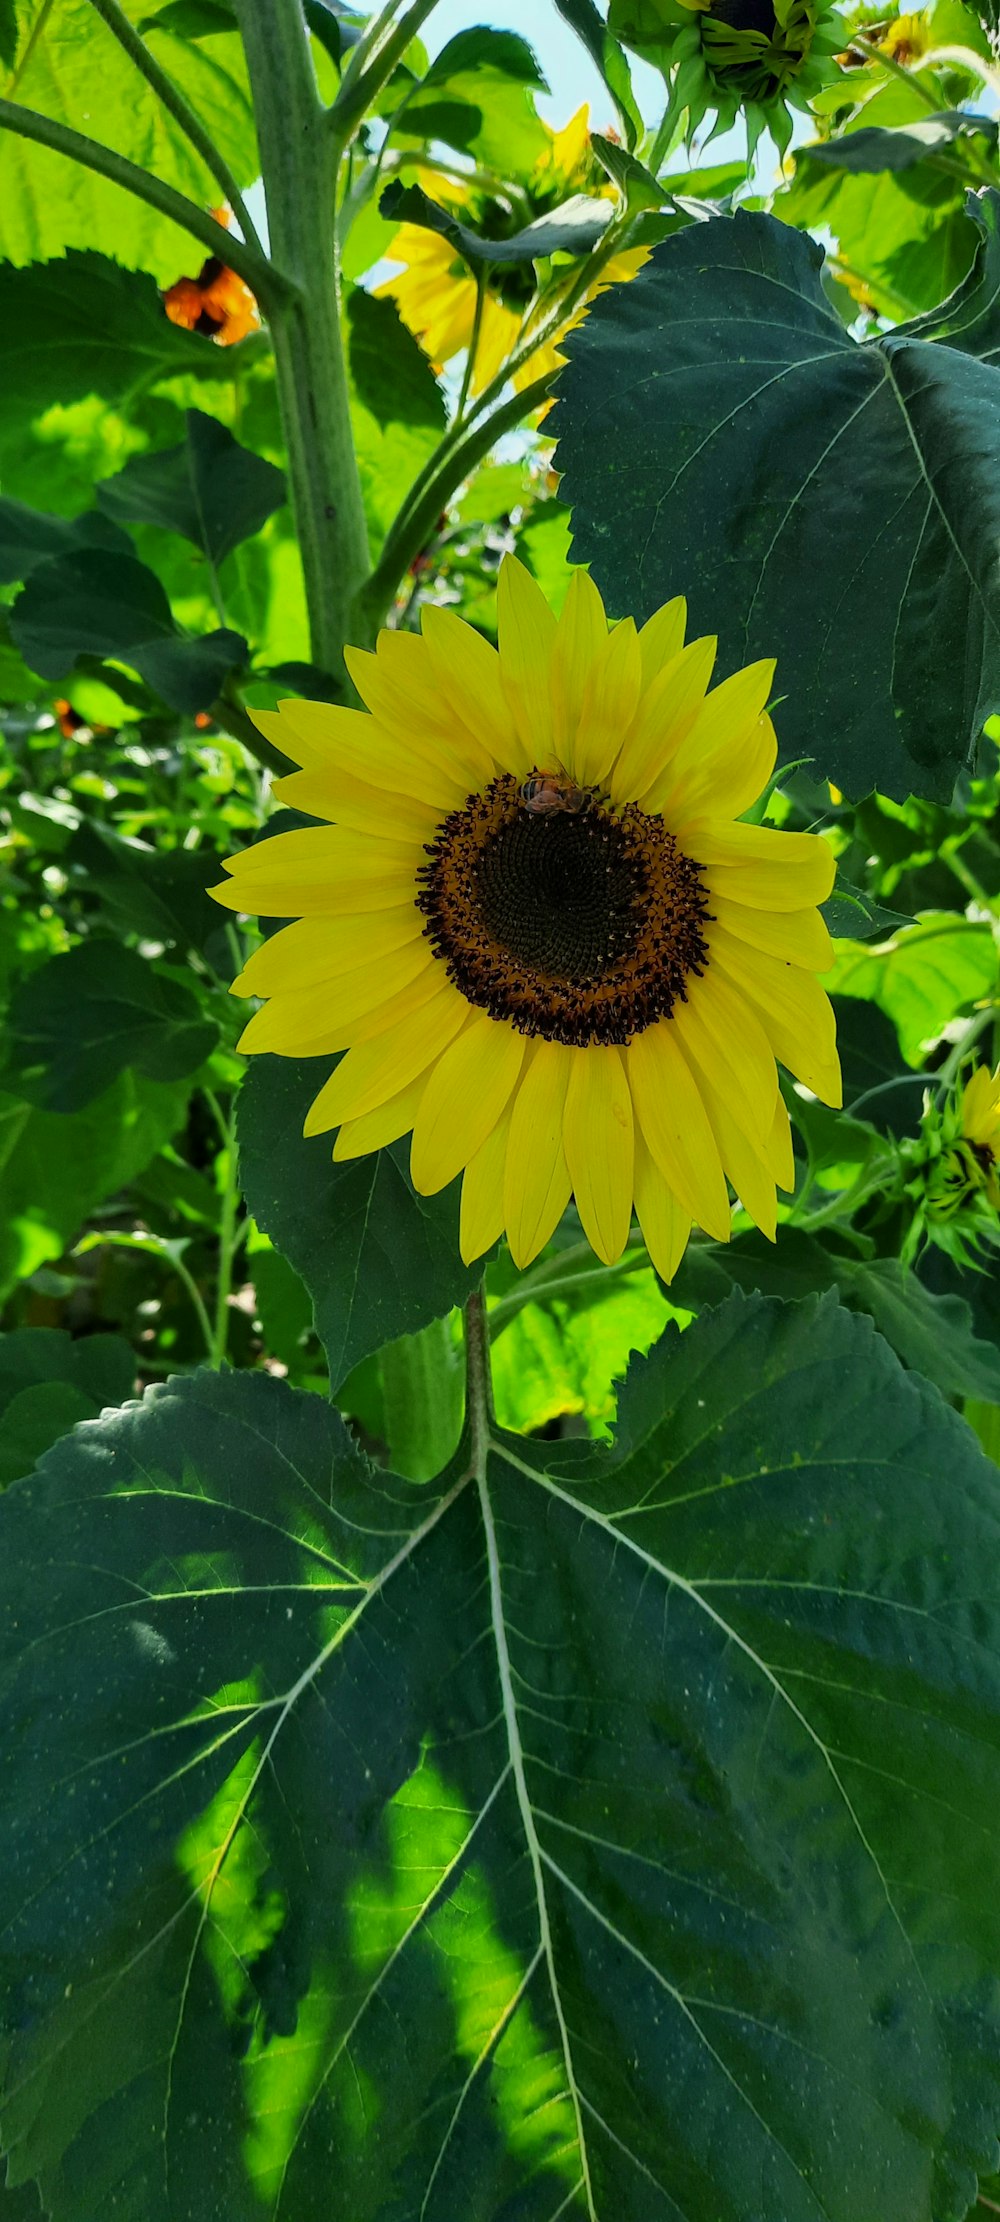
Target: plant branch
<point>182,112</point>
<point>415,521</point>
<point>371,65</point>
<point>266,282</point>
<point>478,1378</point>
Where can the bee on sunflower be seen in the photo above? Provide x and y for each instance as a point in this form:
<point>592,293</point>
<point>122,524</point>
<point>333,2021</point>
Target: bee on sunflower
<point>762,56</point>
<point>536,926</point>
<point>435,290</point>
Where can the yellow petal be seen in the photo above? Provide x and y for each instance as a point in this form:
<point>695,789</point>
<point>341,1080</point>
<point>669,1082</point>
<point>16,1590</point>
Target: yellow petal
<point>728,715</point>
<point>749,1175</point>
<point>481,1218</point>
<point>780,1154</point>
<point>343,898</point>
<point>667,709</point>
<point>730,778</point>
<point>468,673</point>
<point>358,1137</point>
<point>352,741</point>
<point>676,1126</point>
<point>796,1015</point>
<point>378,1069</point>
<point>597,1138</point>
<point>610,701</point>
<point>467,1091</point>
<point>720,1031</point>
<point>316,949</point>
<point>536,1180</point>
<point>665,1226</point>
<point>311,1021</point>
<point>764,868</point>
<point>581,636</point>
<point>399,684</point>
<point>661,638</point>
<point>526,629</point>
<point>312,853</point>
<point>347,801</point>
<point>800,936</point>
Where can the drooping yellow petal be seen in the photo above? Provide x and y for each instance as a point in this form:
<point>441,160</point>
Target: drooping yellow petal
<point>358,1137</point>
<point>481,1216</point>
<point>780,1154</point>
<point>378,1069</point>
<point>766,869</point>
<point>610,700</point>
<point>661,638</point>
<point>665,1226</point>
<point>526,629</point>
<point>309,1022</point>
<point>797,1017</point>
<point>581,636</point>
<point>466,1094</point>
<point>799,936</point>
<point>347,801</point>
<point>666,711</point>
<point>746,1169</point>
<point>730,778</point>
<point>597,1139</point>
<point>676,1126</point>
<point>468,672</point>
<point>315,949</point>
<point>719,1030</point>
<point>536,1184</point>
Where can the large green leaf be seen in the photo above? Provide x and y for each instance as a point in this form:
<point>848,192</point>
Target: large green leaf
<point>378,1260</point>
<point>28,535</point>
<point>210,489</point>
<point>93,603</point>
<point>70,67</point>
<point>56,1165</point>
<point>599,1834</point>
<point>83,325</point>
<point>923,978</point>
<point>834,504</point>
<point>572,229</point>
<point>48,1382</point>
<point>477,96</point>
<point>78,1020</point>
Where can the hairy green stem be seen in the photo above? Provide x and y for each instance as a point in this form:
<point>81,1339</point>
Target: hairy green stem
<point>478,1378</point>
<point>180,109</point>
<point>299,163</point>
<point>371,65</point>
<point>257,273</point>
<point>412,527</point>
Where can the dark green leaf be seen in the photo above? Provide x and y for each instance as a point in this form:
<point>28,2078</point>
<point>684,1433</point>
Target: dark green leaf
<point>607,55</point>
<point>47,1383</point>
<point>636,183</point>
<point>390,374</point>
<point>721,435</point>
<point>8,32</point>
<point>56,1165</point>
<point>477,96</point>
<point>873,149</point>
<point>852,914</point>
<point>573,229</point>
<point>875,1087</point>
<point>83,325</point>
<point>210,489</point>
<point>92,604</point>
<point>27,536</point>
<point>83,1017</point>
<point>190,19</point>
<point>613,1819</point>
<point>158,893</point>
<point>378,1260</point>
<point>485,47</point>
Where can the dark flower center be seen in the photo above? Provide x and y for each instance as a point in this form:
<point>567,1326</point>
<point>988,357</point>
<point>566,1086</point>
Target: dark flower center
<point>745,15</point>
<point>579,926</point>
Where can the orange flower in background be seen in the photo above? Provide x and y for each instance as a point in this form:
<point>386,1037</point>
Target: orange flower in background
<point>216,303</point>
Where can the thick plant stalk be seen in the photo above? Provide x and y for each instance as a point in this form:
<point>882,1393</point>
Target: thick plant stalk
<point>299,160</point>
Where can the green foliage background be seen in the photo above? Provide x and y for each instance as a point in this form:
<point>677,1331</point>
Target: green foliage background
<point>416,1810</point>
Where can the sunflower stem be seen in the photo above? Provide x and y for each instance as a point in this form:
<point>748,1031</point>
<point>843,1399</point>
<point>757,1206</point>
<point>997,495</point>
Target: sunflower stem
<point>478,1376</point>
<point>422,1393</point>
<point>299,159</point>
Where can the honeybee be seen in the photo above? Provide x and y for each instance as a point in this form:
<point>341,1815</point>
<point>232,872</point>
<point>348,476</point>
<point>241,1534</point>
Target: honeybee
<point>547,793</point>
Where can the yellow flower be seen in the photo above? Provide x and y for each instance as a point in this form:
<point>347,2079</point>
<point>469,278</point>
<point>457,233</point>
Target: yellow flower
<point>435,291</point>
<point>981,1127</point>
<point>536,926</point>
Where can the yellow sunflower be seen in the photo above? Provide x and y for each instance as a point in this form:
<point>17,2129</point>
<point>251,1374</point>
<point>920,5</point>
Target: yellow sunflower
<point>981,1128</point>
<point>536,926</point>
<point>435,290</point>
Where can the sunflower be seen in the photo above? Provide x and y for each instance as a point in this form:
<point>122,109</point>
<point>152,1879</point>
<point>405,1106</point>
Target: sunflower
<point>435,290</point>
<point>537,927</point>
<point>981,1128</point>
<point>763,56</point>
